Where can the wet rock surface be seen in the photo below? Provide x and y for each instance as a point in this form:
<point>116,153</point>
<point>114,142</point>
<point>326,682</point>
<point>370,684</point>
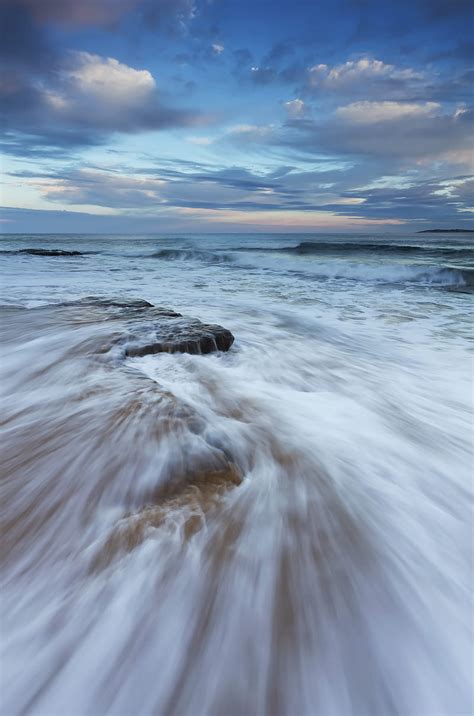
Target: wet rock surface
<point>177,335</point>
<point>131,327</point>
<point>152,329</point>
<point>105,303</point>
<point>132,421</point>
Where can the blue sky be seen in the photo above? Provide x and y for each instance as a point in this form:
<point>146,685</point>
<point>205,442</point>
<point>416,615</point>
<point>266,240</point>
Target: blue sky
<point>229,115</point>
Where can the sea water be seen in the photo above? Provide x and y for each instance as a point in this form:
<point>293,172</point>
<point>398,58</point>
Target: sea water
<point>334,576</point>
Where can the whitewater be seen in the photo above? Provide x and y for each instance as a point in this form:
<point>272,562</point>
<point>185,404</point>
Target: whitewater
<point>280,529</point>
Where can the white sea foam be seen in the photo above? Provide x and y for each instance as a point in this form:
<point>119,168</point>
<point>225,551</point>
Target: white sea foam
<point>334,579</point>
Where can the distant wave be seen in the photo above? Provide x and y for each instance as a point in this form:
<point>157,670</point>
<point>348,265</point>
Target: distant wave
<point>444,276</point>
<point>336,247</point>
<point>191,255</point>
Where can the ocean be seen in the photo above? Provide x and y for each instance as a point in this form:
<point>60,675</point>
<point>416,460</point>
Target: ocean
<point>282,528</point>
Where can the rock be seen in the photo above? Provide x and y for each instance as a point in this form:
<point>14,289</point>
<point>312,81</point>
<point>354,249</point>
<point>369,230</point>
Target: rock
<point>181,507</point>
<point>49,252</point>
<point>178,335</point>
<point>142,329</point>
<point>102,302</point>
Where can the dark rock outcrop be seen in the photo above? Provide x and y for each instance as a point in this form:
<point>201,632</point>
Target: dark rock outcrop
<point>105,303</point>
<point>177,335</point>
<point>142,329</point>
<point>49,252</point>
<point>446,231</point>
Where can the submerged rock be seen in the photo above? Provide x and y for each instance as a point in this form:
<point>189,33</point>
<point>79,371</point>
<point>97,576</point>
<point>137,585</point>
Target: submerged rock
<point>181,507</point>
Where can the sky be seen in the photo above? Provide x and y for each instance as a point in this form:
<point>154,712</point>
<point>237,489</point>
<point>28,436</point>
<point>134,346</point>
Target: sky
<point>163,116</point>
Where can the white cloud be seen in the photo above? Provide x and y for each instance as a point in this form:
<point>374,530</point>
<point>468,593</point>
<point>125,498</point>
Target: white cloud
<point>107,80</point>
<point>373,112</point>
<point>93,94</point>
<point>217,48</point>
<point>365,78</point>
<point>365,68</point>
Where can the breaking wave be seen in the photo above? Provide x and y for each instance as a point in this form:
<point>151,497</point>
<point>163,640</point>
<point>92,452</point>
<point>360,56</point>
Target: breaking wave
<point>397,274</point>
<point>191,255</point>
<point>349,247</point>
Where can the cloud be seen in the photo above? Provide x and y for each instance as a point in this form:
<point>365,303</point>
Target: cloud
<point>365,69</point>
<point>71,12</point>
<point>366,77</point>
<point>443,201</point>
<point>53,100</point>
<point>250,133</point>
<point>182,220</point>
<point>98,188</point>
<point>172,15</point>
<point>107,80</point>
<point>395,135</point>
<point>211,188</point>
<point>373,112</point>
<point>343,192</point>
<point>283,195</point>
<point>24,47</point>
<point>86,100</point>
<point>107,13</point>
<point>419,133</point>
<point>349,119</point>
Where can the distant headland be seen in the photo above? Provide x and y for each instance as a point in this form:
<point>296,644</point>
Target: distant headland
<point>446,231</point>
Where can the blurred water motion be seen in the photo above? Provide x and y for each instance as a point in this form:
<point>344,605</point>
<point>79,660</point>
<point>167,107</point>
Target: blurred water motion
<point>281,529</point>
